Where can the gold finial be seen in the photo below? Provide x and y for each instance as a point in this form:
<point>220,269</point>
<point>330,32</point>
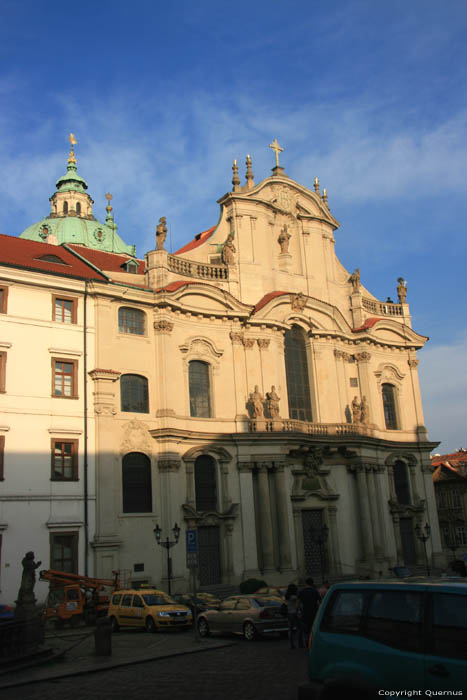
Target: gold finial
<point>109,198</point>
<point>249,172</point>
<point>277,149</point>
<point>73,142</point>
<point>235,179</point>
<point>325,197</point>
<point>316,185</point>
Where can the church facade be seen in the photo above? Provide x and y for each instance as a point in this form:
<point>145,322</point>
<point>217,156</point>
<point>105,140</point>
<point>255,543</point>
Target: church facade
<point>248,387</point>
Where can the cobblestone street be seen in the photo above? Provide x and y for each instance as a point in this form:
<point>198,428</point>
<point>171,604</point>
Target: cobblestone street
<point>266,668</point>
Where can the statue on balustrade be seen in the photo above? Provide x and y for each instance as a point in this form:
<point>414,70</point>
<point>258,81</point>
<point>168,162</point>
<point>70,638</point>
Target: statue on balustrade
<point>364,415</point>
<point>284,239</point>
<point>257,399</point>
<point>273,403</point>
<point>402,290</point>
<point>161,233</point>
<point>356,410</point>
<point>228,251</point>
<point>354,279</point>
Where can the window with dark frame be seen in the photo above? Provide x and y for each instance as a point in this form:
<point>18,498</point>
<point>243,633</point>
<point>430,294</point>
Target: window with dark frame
<point>65,208</point>
<point>131,321</point>
<point>395,618</point>
<point>64,460</point>
<point>449,615</point>
<point>297,375</point>
<point>64,552</point>
<point>134,395</point>
<point>389,406</point>
<point>2,372</point>
<point>205,483</point>
<point>78,208</point>
<point>3,300</point>
<point>64,309</point>
<point>401,482</point>
<point>136,483</point>
<point>199,388</point>
<point>2,457</point>
<point>64,378</point>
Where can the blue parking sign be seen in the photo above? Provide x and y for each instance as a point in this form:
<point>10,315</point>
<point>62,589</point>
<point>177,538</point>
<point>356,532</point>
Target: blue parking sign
<point>191,541</point>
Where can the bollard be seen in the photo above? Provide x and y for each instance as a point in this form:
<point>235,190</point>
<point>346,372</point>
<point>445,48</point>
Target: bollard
<point>103,637</point>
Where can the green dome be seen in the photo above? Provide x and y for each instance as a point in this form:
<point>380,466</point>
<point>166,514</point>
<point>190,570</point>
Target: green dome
<point>74,229</point>
<point>71,181</point>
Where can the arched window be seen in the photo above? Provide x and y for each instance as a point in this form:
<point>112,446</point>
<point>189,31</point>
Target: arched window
<point>200,399</point>
<point>134,393</point>
<point>296,369</point>
<point>389,406</point>
<point>401,482</point>
<point>131,320</point>
<point>78,208</point>
<point>65,208</point>
<point>136,483</point>
<point>205,483</point>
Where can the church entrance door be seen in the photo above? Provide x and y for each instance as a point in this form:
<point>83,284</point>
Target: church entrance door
<point>314,546</point>
<point>408,542</point>
<point>209,556</point>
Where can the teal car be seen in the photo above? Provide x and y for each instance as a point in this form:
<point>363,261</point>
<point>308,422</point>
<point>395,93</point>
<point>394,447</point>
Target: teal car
<point>371,639</point>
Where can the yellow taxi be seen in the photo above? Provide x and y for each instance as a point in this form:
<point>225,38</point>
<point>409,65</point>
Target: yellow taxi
<point>148,608</point>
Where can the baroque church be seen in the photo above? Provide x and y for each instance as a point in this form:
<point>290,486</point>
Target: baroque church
<point>248,387</point>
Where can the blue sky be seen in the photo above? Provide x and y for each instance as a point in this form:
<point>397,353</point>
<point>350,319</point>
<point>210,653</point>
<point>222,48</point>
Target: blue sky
<point>367,95</point>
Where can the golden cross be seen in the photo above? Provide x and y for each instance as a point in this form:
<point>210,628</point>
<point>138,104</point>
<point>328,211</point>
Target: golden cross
<point>108,197</point>
<point>277,149</point>
<point>72,140</point>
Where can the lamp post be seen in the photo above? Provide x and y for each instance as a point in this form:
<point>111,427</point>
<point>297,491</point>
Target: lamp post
<point>168,544</point>
<point>320,538</point>
<point>423,535</point>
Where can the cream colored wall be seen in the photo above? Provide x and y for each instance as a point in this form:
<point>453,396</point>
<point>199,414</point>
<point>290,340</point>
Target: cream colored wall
<point>31,505</point>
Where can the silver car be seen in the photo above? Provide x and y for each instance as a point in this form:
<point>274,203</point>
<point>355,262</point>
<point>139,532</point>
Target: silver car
<point>250,615</point>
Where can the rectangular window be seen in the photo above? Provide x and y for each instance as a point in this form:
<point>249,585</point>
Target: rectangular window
<point>461,536</point>
<point>2,457</point>
<point>64,309</point>
<point>2,372</point>
<point>64,552</point>
<point>394,618</point>
<point>3,300</point>
<point>64,460</point>
<point>344,614</point>
<point>449,625</point>
<point>64,378</point>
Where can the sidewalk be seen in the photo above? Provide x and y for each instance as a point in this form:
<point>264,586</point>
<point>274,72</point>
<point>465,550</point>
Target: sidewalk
<point>74,653</point>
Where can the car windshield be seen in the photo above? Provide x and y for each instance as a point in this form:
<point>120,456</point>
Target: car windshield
<point>157,599</point>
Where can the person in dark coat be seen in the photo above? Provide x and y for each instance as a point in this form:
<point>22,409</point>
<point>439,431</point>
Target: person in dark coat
<point>310,600</point>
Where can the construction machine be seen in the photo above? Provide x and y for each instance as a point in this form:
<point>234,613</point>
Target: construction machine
<point>73,597</point>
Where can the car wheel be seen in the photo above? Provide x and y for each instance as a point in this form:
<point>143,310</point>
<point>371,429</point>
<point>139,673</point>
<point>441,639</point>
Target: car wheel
<point>203,627</point>
<point>150,625</point>
<point>114,626</point>
<point>249,631</point>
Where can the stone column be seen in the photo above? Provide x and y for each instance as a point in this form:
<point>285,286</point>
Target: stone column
<point>335,568</point>
<point>250,547</point>
<point>283,519</point>
<point>190,483</point>
<point>382,508</point>
<point>239,373</point>
<point>226,500</point>
<point>374,511</point>
<point>229,570</point>
<point>363,360</point>
<point>413,483</point>
<point>397,536</point>
<point>265,520</point>
<point>365,517</point>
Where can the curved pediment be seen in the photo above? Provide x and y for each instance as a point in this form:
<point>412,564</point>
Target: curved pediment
<point>288,308</point>
<point>390,332</point>
<point>202,298</point>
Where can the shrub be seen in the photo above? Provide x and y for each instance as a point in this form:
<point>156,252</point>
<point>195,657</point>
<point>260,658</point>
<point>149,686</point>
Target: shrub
<point>251,585</point>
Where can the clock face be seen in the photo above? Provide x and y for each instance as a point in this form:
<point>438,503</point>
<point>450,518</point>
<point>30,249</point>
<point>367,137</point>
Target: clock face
<point>99,235</point>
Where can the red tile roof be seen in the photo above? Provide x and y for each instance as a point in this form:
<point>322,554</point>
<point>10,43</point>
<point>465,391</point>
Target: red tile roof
<point>369,323</point>
<point>198,240</point>
<point>453,458</point>
<point>112,262</point>
<point>455,462</point>
<point>267,298</point>
<point>25,254</point>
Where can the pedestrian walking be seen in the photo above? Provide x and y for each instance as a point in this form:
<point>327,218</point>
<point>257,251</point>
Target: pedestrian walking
<point>293,615</point>
<point>310,599</point>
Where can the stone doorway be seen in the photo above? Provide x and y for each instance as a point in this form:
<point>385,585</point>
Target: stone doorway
<point>408,542</point>
<point>315,554</point>
<point>209,559</point>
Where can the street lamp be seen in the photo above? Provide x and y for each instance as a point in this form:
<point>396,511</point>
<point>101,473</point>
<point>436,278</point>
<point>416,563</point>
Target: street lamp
<point>320,538</point>
<point>423,535</point>
<point>168,544</point>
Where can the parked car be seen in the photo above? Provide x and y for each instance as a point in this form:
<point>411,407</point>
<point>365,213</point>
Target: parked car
<point>6,613</point>
<point>148,608</point>
<point>272,590</point>
<point>377,638</point>
<point>250,615</point>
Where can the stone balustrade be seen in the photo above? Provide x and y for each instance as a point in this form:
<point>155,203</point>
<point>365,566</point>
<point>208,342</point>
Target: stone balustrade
<point>382,308</point>
<point>290,426</point>
<point>191,268</point>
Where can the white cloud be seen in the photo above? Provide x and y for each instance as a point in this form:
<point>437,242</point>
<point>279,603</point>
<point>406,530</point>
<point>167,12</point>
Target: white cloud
<point>443,379</point>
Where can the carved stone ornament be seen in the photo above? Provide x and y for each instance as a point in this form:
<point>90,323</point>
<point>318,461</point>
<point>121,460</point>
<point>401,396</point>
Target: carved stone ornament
<point>298,301</point>
<point>248,342</point>
<point>342,355</point>
<point>236,338</point>
<point>263,343</point>
<point>412,363</point>
<point>354,279</point>
<point>168,465</point>
<point>312,458</point>
<point>105,410</point>
<point>362,356</point>
<point>136,438</point>
<point>163,326</point>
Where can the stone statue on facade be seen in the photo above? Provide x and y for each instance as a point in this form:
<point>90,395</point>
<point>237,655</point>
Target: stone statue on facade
<point>273,403</point>
<point>356,410</point>
<point>257,402</point>
<point>354,279</point>
<point>228,251</point>
<point>28,579</point>
<point>402,290</point>
<point>364,412</point>
<point>284,238</point>
<point>161,233</point>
